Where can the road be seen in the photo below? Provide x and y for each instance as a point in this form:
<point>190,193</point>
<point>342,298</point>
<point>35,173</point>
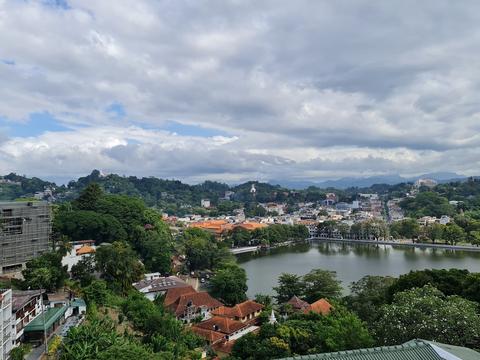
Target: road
<point>398,243</point>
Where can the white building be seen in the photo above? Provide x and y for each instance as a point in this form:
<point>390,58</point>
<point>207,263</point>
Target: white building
<point>205,203</point>
<point>6,323</point>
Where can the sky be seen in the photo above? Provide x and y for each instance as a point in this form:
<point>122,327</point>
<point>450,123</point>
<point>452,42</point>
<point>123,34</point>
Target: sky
<point>236,90</point>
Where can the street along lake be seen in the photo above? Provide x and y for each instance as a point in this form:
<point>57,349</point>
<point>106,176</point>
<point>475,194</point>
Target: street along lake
<point>350,261</point>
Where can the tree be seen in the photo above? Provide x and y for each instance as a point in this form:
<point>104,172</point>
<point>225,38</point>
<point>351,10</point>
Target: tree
<point>367,295</point>
<point>288,286</point>
<point>321,284</point>
<point>229,284</point>
<point>83,270</point>
<point>119,266</point>
<point>453,234</point>
<point>474,237</point>
<point>89,197</point>
<point>426,313</point>
<point>96,292</point>
<point>305,334</point>
<point>449,282</point>
<point>435,232</point>
<point>45,272</point>
<point>406,228</point>
<point>83,224</point>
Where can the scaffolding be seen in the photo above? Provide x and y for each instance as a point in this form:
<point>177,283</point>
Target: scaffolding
<point>25,229</point>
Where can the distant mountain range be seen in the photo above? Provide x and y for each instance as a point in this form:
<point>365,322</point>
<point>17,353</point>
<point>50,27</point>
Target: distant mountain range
<point>362,182</point>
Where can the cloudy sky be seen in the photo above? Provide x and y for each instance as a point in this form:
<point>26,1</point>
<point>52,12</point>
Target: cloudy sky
<point>235,89</point>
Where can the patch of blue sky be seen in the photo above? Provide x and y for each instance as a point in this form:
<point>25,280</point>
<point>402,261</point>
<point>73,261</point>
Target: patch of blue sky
<point>37,124</point>
<point>117,110</point>
<point>63,4</point>
<point>7,62</point>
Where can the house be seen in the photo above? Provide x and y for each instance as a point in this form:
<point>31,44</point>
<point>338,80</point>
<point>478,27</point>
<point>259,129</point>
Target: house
<point>222,332</point>
<point>156,286</point>
<point>321,306</point>
<point>205,203</point>
<point>187,304</point>
<point>26,306</point>
<point>297,303</point>
<point>245,312</point>
<point>411,350</point>
<point>79,251</point>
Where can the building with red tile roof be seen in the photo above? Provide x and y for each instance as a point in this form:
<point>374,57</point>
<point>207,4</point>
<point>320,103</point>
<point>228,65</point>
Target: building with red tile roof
<point>322,307</point>
<point>223,325</point>
<point>245,311</point>
<point>297,303</point>
<point>191,305</point>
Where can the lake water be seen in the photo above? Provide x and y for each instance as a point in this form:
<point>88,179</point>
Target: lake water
<point>350,261</point>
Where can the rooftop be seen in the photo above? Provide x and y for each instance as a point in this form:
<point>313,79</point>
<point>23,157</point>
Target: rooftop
<point>51,315</point>
<point>240,310</point>
<point>221,324</point>
<point>21,298</point>
<point>413,350</point>
<point>161,284</point>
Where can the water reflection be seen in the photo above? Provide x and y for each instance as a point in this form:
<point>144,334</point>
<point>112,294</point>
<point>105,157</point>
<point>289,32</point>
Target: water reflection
<point>350,261</point>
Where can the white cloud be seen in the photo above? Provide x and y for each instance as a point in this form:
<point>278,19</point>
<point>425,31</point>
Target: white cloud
<point>302,90</point>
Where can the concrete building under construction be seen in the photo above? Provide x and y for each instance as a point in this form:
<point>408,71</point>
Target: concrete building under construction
<point>25,229</point>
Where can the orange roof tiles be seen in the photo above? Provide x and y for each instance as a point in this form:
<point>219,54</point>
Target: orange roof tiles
<point>321,306</point>
<point>196,299</point>
<point>240,310</point>
<point>221,324</point>
<point>173,294</point>
<point>251,225</point>
<point>85,250</point>
<point>211,336</point>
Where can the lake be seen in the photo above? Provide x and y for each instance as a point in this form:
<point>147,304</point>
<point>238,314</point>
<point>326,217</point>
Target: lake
<point>350,261</point>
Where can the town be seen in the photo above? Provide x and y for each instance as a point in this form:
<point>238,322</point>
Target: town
<point>104,259</point>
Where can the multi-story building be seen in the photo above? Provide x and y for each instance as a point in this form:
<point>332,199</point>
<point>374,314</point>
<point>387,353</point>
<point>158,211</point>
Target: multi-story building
<point>26,306</point>
<point>25,229</point>
<point>5,323</point>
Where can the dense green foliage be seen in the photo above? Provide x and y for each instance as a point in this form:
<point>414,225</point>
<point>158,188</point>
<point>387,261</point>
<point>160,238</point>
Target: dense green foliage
<point>271,235</point>
<point>45,272</point>
<point>367,295</point>
<point>450,282</point>
<point>315,285</point>
<point>427,203</point>
<point>305,334</point>
<point>118,264</point>
<point>202,250</point>
<point>161,330</point>
<point>426,313</point>
<point>98,339</point>
<point>229,285</point>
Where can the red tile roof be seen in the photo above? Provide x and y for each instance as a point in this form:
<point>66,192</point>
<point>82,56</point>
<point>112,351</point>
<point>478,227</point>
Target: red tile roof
<point>194,299</point>
<point>240,310</point>
<point>173,294</point>
<point>321,306</point>
<point>221,324</point>
<point>224,346</point>
<point>211,336</point>
<point>297,303</point>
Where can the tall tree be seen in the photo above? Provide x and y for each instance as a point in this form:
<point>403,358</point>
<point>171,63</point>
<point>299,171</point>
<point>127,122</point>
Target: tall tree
<point>321,284</point>
<point>289,285</point>
<point>118,265</point>
<point>89,197</point>
<point>229,284</point>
